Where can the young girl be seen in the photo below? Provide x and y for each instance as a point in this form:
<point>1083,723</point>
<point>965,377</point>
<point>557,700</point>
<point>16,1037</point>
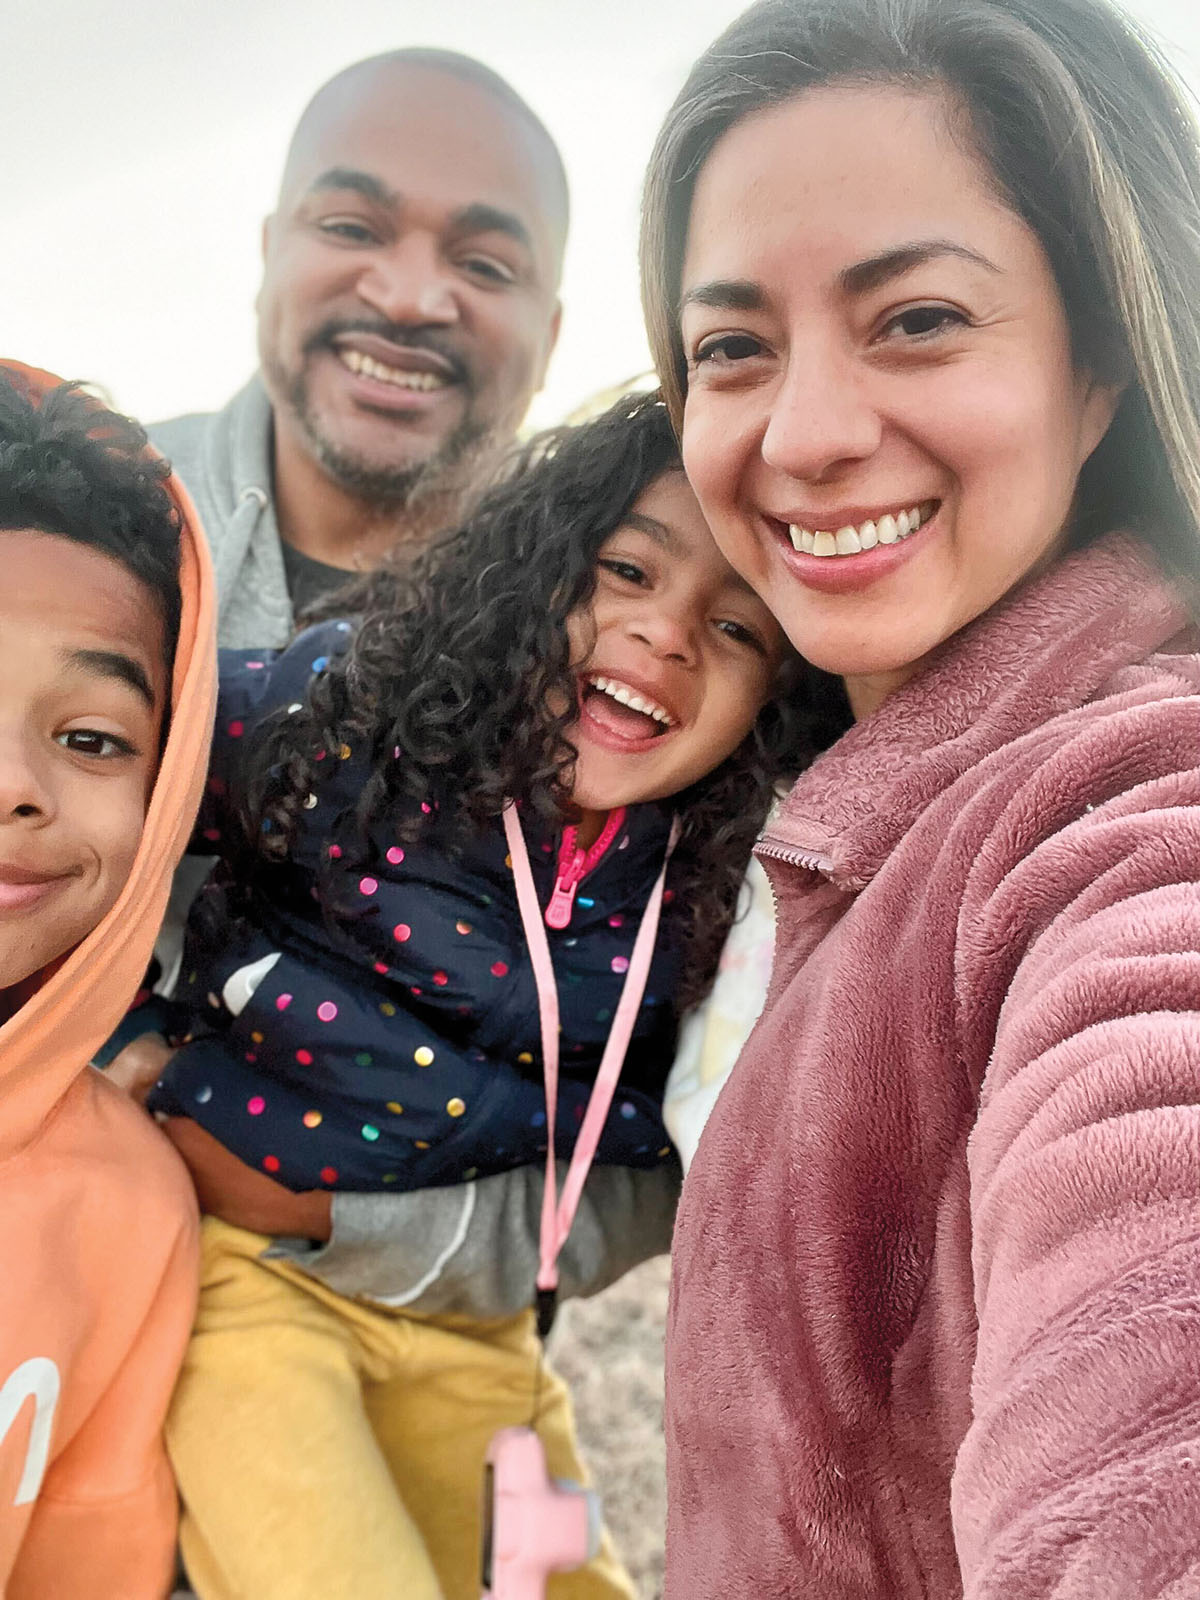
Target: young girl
<point>366,1011</point>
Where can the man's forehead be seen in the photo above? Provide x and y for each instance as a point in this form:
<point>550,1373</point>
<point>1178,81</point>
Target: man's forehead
<point>424,130</point>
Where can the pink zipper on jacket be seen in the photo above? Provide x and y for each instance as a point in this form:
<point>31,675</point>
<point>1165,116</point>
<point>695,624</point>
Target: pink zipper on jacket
<point>574,865</point>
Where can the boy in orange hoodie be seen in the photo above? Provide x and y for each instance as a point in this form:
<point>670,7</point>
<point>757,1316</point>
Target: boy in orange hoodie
<point>106,689</point>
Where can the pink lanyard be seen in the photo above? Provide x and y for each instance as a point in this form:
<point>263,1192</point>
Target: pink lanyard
<point>557,1215</point>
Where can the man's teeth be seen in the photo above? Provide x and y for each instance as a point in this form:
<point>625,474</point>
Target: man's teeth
<point>851,541</point>
<point>635,702</point>
<point>368,367</point>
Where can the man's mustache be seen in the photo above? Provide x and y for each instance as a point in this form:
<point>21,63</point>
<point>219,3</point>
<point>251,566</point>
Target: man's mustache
<point>411,336</point>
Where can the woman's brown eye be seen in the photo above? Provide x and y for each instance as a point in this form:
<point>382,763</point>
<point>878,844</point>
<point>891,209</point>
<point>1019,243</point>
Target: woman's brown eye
<point>926,319</point>
<point>728,347</point>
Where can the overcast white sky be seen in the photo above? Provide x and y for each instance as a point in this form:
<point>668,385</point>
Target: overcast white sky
<point>141,143</point>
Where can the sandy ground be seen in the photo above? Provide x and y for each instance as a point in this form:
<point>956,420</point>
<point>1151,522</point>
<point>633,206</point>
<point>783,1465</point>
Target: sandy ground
<point>609,1349</point>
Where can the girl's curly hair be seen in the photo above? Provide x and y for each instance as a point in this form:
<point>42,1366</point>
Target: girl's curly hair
<point>462,652</point>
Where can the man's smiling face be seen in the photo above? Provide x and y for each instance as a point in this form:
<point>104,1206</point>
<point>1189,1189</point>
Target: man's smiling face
<point>409,306</point>
<point>83,684</point>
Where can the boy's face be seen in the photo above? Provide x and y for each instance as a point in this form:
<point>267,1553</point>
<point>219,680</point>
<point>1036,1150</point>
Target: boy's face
<point>83,684</point>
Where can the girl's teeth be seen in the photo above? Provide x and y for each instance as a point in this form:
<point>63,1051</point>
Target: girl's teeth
<point>635,702</point>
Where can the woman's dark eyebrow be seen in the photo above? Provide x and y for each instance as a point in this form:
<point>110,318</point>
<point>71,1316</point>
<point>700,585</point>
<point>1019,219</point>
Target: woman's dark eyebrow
<point>740,294</point>
<point>112,664</point>
<point>725,294</point>
<point>877,270</point>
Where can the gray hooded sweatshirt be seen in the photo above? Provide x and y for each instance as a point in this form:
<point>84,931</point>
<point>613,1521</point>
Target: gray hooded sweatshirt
<point>470,1249</point>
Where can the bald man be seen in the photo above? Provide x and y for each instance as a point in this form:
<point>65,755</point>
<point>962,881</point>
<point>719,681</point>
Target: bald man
<point>408,310</point>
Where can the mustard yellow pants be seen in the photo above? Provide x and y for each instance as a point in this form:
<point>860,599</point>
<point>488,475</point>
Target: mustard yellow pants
<point>328,1449</point>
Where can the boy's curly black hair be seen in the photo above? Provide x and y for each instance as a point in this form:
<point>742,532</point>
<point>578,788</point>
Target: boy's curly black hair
<point>71,467</point>
<point>463,650</point>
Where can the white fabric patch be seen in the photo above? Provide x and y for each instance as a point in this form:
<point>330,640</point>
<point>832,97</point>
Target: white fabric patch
<point>240,987</point>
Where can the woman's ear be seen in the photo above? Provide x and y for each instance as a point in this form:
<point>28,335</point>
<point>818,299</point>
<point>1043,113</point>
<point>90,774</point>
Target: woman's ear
<point>1098,407</point>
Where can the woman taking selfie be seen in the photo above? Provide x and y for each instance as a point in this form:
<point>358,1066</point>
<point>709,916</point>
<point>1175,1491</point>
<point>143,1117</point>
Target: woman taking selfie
<point>923,278</point>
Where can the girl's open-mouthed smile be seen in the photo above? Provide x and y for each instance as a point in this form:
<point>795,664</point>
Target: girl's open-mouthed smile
<point>677,656</point>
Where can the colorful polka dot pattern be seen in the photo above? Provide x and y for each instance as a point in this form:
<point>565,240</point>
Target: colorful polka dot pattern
<point>333,1082</point>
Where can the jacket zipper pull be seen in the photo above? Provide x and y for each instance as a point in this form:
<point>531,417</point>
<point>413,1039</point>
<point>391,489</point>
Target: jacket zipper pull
<point>562,900</point>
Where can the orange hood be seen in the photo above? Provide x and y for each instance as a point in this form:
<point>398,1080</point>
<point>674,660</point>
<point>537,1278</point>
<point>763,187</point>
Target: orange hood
<point>49,1041</point>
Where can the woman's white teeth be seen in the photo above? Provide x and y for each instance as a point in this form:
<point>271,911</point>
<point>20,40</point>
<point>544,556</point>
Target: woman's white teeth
<point>635,702</point>
<point>851,541</point>
<point>368,367</point>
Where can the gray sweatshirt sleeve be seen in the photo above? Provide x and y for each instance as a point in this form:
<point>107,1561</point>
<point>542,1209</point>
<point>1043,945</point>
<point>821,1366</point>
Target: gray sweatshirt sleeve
<point>473,1248</point>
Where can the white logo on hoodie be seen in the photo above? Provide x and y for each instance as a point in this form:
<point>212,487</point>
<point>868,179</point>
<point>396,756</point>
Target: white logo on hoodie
<point>37,1377</point>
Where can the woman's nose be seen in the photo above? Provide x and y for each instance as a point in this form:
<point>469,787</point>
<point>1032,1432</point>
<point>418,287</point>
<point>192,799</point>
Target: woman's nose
<point>410,284</point>
<point>822,418</point>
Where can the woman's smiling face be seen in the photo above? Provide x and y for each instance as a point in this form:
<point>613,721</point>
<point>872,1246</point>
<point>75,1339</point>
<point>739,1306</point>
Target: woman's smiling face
<point>884,424</point>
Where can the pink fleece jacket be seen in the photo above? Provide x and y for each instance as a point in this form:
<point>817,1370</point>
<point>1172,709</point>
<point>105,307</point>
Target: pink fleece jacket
<point>935,1323</point>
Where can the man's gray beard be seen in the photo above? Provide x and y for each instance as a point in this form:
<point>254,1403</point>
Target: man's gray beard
<point>407,490</point>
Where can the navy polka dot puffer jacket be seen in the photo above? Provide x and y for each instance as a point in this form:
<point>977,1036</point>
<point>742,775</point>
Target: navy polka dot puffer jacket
<point>399,1046</point>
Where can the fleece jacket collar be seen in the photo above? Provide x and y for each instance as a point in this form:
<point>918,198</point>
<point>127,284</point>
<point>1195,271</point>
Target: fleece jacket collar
<point>1044,650</point>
